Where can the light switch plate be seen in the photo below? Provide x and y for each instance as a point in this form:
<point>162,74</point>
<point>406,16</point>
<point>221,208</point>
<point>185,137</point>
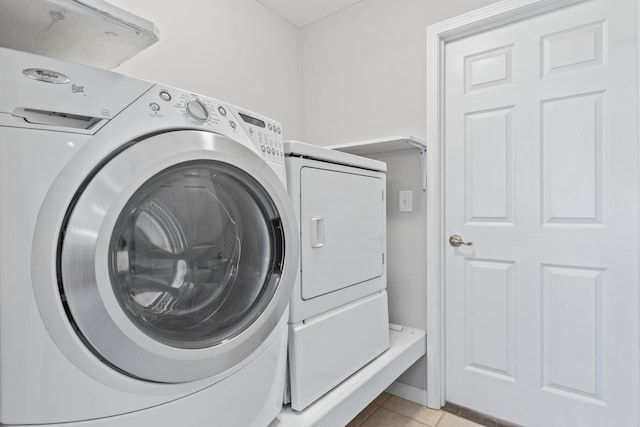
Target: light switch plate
<point>406,201</point>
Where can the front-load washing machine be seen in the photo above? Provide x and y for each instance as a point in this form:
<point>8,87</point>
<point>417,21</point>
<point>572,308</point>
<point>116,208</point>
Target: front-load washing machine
<point>147,257</point>
<point>339,313</point>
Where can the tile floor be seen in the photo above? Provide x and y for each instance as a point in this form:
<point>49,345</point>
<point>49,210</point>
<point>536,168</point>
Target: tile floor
<point>392,411</point>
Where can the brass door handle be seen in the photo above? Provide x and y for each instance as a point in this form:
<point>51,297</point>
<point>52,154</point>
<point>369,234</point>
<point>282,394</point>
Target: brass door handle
<point>456,241</point>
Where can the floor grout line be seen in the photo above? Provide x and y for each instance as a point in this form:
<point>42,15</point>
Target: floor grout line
<point>412,419</point>
<point>439,418</point>
<point>369,416</point>
<point>378,407</point>
<point>441,414</point>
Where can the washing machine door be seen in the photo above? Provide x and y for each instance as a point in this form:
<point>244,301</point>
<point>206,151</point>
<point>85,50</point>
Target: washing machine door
<point>177,258</point>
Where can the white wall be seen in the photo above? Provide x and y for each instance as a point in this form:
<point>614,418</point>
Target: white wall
<point>235,50</point>
<point>364,69</point>
<point>364,77</point>
<point>406,249</point>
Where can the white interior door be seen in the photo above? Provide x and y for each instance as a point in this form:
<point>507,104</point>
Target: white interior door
<point>541,175</point>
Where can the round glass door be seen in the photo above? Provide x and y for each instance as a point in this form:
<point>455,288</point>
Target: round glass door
<point>176,259</point>
<point>194,254</point>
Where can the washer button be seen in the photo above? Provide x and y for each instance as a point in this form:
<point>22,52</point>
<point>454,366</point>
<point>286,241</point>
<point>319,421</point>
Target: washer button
<point>279,131</point>
<point>165,96</point>
<point>154,106</point>
<point>232,123</point>
<point>222,111</point>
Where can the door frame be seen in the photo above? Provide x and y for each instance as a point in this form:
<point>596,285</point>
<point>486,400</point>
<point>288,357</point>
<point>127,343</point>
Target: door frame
<point>438,35</point>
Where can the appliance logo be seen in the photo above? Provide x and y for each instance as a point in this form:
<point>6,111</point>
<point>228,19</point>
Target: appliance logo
<point>47,76</point>
<point>77,88</point>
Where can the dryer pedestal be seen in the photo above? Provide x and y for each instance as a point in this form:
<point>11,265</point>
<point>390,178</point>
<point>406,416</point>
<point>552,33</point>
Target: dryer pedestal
<point>326,349</point>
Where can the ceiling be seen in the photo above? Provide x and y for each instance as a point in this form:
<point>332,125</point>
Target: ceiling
<point>304,12</point>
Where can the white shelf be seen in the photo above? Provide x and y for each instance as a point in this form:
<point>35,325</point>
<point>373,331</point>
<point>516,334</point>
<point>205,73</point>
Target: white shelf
<point>345,401</point>
<point>387,145</point>
<point>90,32</point>
<point>381,145</point>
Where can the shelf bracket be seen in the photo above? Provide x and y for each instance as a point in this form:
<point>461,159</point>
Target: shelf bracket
<point>423,162</point>
<point>388,144</point>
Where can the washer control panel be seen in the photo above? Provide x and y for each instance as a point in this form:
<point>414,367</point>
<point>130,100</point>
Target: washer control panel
<point>268,134</point>
<point>199,111</point>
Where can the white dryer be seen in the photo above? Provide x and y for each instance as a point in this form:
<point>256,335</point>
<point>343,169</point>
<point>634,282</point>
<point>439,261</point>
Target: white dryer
<point>339,312</point>
<point>147,257</point>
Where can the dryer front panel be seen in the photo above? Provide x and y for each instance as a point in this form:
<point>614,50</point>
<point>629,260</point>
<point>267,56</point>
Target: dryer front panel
<point>177,258</point>
<point>342,230</point>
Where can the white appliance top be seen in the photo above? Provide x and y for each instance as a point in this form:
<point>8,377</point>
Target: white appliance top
<point>33,82</point>
<point>316,152</point>
<point>49,94</point>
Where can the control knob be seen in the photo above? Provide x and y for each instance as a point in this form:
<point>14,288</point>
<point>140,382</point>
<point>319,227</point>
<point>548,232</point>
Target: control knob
<point>197,109</point>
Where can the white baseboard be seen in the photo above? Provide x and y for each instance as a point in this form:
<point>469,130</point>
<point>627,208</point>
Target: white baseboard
<point>408,392</point>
